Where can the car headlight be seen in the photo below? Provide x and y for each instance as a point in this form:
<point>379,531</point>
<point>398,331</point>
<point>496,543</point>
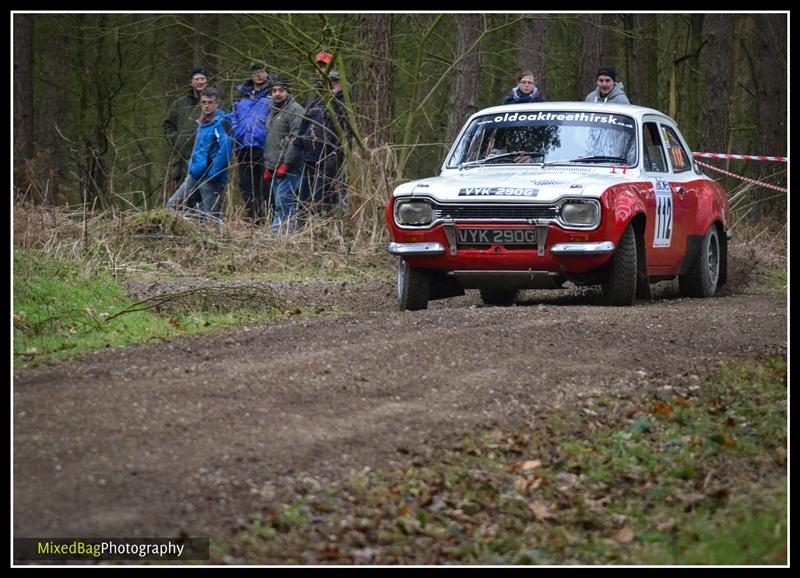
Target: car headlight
<point>413,213</point>
<point>580,214</point>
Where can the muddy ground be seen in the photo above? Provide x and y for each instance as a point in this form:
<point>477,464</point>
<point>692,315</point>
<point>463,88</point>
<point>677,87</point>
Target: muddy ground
<point>196,435</point>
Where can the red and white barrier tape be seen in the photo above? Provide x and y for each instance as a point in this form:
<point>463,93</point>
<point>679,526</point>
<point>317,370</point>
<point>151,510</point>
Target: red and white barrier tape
<point>759,183</point>
<point>740,157</point>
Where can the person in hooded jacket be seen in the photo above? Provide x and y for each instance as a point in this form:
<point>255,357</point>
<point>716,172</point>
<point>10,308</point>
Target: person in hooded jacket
<point>525,91</point>
<point>250,114</point>
<point>608,89</point>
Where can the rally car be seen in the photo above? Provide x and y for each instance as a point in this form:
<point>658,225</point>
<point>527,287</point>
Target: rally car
<point>532,196</point>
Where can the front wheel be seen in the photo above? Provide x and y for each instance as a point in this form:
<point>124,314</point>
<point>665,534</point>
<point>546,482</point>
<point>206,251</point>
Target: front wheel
<point>413,287</point>
<point>619,287</point>
<point>702,278</point>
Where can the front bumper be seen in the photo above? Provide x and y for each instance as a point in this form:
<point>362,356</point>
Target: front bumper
<point>556,251</point>
<point>414,249</point>
<point>599,248</point>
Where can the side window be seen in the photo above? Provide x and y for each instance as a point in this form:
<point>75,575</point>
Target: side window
<point>653,152</point>
<point>677,154</point>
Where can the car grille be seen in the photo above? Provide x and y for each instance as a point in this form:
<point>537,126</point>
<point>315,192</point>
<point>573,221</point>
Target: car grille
<point>483,212</point>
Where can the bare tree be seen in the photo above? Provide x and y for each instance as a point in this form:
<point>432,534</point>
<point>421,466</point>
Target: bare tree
<point>641,47</point>
<point>180,55</point>
<point>466,86</point>
<point>589,53</point>
<point>533,38</point>
<point>717,84</point>
<point>771,81</point>
<point>23,87</point>
<point>374,91</point>
<point>55,93</point>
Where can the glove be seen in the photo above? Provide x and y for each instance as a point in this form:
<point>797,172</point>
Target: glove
<point>281,170</point>
<point>267,175</point>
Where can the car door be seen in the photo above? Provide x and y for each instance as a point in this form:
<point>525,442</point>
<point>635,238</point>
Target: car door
<point>683,189</point>
<point>659,200</point>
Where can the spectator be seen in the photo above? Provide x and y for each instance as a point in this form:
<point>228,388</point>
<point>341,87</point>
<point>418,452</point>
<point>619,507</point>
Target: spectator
<point>608,89</point>
<point>179,129</point>
<point>321,151</point>
<point>281,158</point>
<point>250,114</point>
<point>323,62</point>
<point>208,166</point>
<point>526,91</point>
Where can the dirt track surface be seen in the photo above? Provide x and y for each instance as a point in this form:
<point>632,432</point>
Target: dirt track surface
<point>196,435</point>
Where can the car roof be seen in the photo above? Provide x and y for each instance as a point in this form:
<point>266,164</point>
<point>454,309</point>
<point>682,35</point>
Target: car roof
<point>575,106</point>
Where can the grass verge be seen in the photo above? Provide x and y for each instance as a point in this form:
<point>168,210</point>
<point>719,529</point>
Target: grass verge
<point>63,307</point>
<point>696,476</point>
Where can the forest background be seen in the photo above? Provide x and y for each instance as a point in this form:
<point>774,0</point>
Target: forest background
<point>91,90</point>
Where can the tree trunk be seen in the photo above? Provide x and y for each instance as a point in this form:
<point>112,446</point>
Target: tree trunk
<point>642,53</point>
<point>374,92</point>
<point>771,79</point>
<point>206,46</point>
<point>23,87</point>
<point>532,55</point>
<point>715,119</point>
<point>51,116</point>
<point>589,53</point>
<point>179,57</point>
<point>690,105</point>
<point>466,86</point>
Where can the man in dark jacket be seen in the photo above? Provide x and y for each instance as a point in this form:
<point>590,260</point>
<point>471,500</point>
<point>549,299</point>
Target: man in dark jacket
<point>250,114</point>
<point>180,126</point>
<point>525,91</point>
<point>320,148</point>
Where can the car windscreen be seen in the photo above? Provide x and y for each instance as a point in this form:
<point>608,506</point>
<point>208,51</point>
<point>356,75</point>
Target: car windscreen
<point>553,137</point>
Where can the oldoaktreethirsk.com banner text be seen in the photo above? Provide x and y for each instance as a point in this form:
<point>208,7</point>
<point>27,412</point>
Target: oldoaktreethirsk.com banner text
<point>111,549</point>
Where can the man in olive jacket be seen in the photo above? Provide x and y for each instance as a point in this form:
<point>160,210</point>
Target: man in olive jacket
<point>180,127</point>
<point>282,162</point>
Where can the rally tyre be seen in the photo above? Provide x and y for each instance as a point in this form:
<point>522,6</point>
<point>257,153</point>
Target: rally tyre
<point>501,297</point>
<point>413,287</point>
<point>702,278</point>
<point>619,287</point>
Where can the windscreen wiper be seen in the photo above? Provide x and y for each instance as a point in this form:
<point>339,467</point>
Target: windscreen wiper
<point>500,156</point>
<point>600,159</point>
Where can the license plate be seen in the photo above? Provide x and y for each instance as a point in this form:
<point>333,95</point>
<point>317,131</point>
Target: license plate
<point>496,236</point>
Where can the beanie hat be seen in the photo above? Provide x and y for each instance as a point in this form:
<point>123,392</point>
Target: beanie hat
<point>334,75</point>
<point>607,71</point>
<point>325,57</point>
<point>199,70</point>
<point>283,82</point>
<point>257,66</point>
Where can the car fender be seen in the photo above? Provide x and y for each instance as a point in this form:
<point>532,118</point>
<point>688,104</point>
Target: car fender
<point>621,203</point>
<point>712,206</point>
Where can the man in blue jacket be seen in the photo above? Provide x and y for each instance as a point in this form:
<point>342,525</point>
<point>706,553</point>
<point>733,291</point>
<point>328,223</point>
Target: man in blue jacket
<point>250,114</point>
<point>208,167</point>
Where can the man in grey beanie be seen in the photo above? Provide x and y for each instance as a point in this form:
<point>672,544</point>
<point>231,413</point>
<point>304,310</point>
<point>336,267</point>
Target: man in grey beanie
<point>608,89</point>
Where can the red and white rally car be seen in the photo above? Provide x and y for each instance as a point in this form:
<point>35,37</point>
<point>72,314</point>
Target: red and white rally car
<point>531,196</point>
